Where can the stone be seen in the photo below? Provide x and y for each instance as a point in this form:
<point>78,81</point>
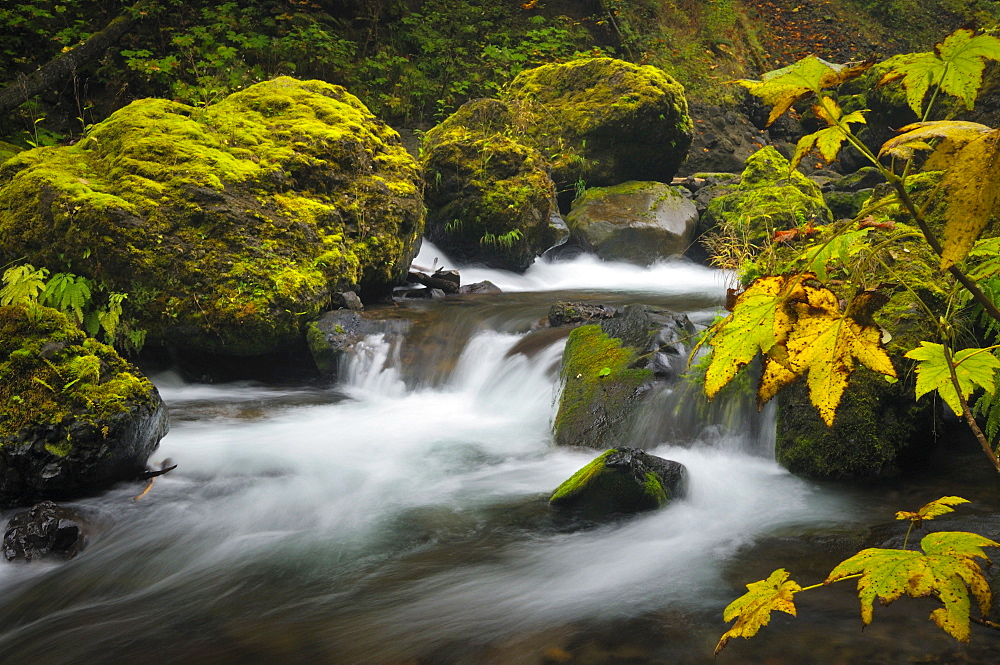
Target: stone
<point>638,222</point>
<point>332,337</point>
<point>485,286</point>
<point>621,481</point>
<point>348,300</point>
<point>44,531</point>
<point>72,423</point>
<point>229,226</point>
<point>575,313</point>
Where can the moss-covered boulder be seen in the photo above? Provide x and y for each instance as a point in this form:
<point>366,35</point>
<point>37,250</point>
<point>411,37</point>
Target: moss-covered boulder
<point>768,198</point>
<point>8,150</point>
<point>489,196</point>
<point>608,368</point>
<point>621,481</point>
<point>227,226</point>
<point>74,416</point>
<point>638,222</point>
<point>604,121</point>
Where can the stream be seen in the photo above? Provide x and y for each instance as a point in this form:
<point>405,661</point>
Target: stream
<point>400,517</point>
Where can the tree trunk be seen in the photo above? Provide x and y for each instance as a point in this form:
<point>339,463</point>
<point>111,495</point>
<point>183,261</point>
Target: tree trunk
<point>54,71</point>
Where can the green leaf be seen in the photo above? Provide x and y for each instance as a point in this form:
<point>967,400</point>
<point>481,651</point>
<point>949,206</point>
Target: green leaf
<point>935,508</point>
<point>22,284</point>
<point>947,568</point>
<point>956,65</point>
<point>815,259</point>
<point>973,367</point>
<point>68,293</point>
<point>605,371</point>
<point>752,610</point>
<point>827,141</point>
<point>783,87</point>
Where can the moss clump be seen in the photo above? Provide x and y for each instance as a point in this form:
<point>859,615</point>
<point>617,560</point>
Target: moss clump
<point>490,198</point>
<point>600,387</point>
<point>8,150</point>
<point>604,121</point>
<point>228,226</point>
<point>572,486</point>
<point>52,375</point>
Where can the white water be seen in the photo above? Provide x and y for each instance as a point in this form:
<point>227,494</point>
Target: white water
<point>392,520</point>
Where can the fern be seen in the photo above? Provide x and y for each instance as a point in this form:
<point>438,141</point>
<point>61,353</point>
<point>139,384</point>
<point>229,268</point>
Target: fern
<point>22,284</point>
<point>83,369</point>
<point>68,293</point>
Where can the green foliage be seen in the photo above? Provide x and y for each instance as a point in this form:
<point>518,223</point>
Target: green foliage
<point>971,368</point>
<point>946,569</point>
<point>22,284</point>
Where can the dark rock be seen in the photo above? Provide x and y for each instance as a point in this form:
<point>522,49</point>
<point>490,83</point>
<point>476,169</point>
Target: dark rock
<point>864,178</point>
<point>847,204</point>
<point>336,333</point>
<point>348,300</point>
<point>621,481</point>
<point>484,286</point>
<point>721,141</point>
<point>44,531</point>
<point>639,222</point>
<point>574,313</point>
<point>443,280</point>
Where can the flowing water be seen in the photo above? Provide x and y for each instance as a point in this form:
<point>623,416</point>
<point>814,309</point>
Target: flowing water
<point>400,517</point>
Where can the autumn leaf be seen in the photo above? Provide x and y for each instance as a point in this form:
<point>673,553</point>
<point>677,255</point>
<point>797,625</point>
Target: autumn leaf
<point>973,367</point>
<point>825,344</point>
<point>947,568</point>
<point>929,511</point>
<point>973,186</point>
<point>956,65</point>
<point>783,87</point>
<point>749,330</point>
<point>752,610</point>
<point>826,141</point>
<point>914,136</point>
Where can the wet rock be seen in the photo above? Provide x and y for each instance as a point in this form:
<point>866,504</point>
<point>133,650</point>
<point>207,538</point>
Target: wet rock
<point>444,280</point>
<point>485,286</point>
<point>638,222</point>
<point>335,334</point>
<point>574,313</point>
<point>621,481</point>
<point>606,377</point>
<point>348,300</point>
<point>44,531</point>
<point>76,417</point>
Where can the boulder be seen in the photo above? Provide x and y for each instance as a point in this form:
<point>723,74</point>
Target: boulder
<point>74,416</point>
<point>8,150</point>
<point>723,139</point>
<point>768,198</point>
<point>44,531</point>
<point>604,121</point>
<point>229,226</point>
<point>608,368</point>
<point>489,196</point>
<point>483,287</point>
<point>621,481</point>
<point>334,335</point>
<point>575,313</point>
<point>638,222</point>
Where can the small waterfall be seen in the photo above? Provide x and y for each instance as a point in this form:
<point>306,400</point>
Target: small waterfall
<point>372,366</point>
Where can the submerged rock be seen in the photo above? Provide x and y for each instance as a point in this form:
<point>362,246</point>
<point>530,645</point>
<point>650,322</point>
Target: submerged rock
<point>74,416</point>
<point>336,333</point>
<point>639,222</point>
<point>621,481</point>
<point>44,531</point>
<point>489,196</point>
<point>229,226</point>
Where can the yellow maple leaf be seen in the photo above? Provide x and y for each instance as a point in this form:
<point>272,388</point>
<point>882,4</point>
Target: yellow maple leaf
<point>931,510</point>
<point>973,186</point>
<point>752,610</point>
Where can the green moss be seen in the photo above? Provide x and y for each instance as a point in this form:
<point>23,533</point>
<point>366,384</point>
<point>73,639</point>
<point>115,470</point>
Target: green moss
<point>232,221</point>
<point>653,489</point>
<point>44,378</point>
<point>581,478</point>
<point>8,150</point>
<point>599,388</point>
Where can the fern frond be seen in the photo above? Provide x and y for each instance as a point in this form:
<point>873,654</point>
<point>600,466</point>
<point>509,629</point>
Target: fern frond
<point>22,284</point>
<point>68,293</point>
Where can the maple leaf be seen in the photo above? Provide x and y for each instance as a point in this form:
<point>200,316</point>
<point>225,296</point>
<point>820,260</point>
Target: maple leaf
<point>825,344</point>
<point>752,610</point>
<point>947,568</point>
<point>749,330</point>
<point>826,141</point>
<point>783,87</point>
<point>973,367</point>
<point>973,186</point>
<point>956,65</point>
<point>914,136</point>
<point>931,510</point>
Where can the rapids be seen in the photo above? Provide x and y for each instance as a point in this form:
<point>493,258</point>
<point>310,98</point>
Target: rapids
<point>399,517</point>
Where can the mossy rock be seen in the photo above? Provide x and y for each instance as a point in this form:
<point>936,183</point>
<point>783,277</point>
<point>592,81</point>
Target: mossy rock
<point>8,150</point>
<point>489,196</point>
<point>74,416</point>
<point>638,222</point>
<point>604,121</point>
<point>879,430</point>
<point>227,226</point>
<point>768,198</point>
<point>621,481</point>
<point>333,336</point>
<point>846,205</point>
